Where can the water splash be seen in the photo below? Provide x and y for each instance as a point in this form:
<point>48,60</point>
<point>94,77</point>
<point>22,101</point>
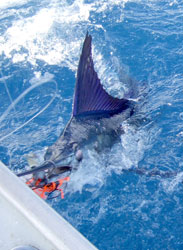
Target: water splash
<point>53,34</point>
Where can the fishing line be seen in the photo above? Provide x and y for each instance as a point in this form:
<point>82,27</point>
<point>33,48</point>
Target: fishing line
<point>19,98</point>
<point>7,91</point>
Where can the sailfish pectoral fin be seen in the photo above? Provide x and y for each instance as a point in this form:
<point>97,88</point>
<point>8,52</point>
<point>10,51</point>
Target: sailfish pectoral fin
<point>90,97</point>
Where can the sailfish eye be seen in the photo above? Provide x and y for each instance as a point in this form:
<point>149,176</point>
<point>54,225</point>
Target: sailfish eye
<point>79,155</point>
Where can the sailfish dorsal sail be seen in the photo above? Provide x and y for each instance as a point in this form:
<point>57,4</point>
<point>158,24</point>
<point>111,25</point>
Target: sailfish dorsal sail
<point>90,97</point>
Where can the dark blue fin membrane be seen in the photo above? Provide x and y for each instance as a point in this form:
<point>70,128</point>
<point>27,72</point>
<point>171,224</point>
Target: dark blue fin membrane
<point>90,97</point>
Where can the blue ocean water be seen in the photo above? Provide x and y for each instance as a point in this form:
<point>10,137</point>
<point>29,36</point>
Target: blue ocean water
<point>40,45</point>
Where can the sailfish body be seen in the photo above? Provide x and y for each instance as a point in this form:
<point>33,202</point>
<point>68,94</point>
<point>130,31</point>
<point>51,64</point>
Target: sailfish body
<point>96,118</point>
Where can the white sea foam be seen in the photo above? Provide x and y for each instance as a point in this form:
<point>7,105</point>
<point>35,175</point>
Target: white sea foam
<point>171,185</point>
<point>12,3</point>
<point>53,33</point>
<point>90,172</point>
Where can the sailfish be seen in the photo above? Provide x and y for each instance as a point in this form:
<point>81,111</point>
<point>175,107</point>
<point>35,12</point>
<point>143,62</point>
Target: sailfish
<point>96,119</point>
